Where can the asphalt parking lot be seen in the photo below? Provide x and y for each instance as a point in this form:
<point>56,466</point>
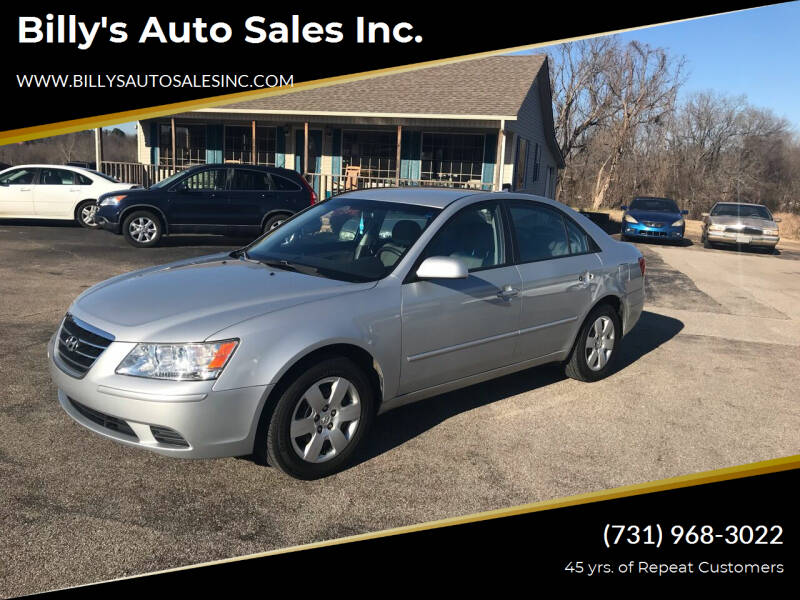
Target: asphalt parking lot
<point>707,379</point>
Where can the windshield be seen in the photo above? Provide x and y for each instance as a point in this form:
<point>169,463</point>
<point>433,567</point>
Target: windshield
<point>168,181</point>
<point>345,238</point>
<point>741,210</point>
<point>104,176</point>
<point>655,205</point>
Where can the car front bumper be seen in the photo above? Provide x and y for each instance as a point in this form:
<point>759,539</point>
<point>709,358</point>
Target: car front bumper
<point>148,414</point>
<point>666,232</point>
<point>104,223</point>
<point>732,237</point>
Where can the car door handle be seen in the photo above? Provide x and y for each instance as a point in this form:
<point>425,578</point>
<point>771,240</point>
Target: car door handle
<point>507,292</point>
<point>26,189</point>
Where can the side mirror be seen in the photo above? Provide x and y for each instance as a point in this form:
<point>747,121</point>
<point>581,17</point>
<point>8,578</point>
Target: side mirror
<point>442,267</point>
<point>624,207</point>
<point>776,219</point>
<point>684,212</point>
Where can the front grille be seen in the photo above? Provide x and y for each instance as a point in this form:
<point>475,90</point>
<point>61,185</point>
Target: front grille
<point>165,435</point>
<point>79,346</point>
<point>102,419</point>
<point>744,230</point>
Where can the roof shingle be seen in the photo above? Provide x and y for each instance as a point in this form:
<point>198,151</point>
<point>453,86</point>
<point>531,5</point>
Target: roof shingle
<point>495,85</point>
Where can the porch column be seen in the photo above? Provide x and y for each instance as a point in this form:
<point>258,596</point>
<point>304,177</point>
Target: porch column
<point>172,130</point>
<point>305,147</point>
<point>501,156</point>
<point>98,149</point>
<point>397,164</point>
<point>253,158</point>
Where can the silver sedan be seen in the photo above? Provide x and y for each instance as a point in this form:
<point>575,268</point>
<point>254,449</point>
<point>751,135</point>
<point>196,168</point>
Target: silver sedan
<point>740,224</point>
<point>288,348</point>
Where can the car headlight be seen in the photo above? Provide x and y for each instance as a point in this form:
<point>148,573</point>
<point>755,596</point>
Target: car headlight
<point>716,227</point>
<point>112,200</point>
<point>181,362</point>
<point>771,232</point>
<point>630,219</point>
<point>678,223</point>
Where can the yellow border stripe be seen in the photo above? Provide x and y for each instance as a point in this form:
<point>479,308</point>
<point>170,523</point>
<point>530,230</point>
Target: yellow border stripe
<point>738,472</point>
<point>39,131</point>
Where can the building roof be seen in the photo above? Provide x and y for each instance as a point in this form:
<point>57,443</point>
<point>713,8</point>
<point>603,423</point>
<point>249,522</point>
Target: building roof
<point>494,86</point>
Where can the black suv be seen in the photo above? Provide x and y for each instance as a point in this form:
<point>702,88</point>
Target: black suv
<point>223,199</point>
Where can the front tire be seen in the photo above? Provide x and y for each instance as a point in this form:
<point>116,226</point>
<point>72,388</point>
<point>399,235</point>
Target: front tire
<point>84,214</point>
<point>319,420</point>
<point>597,345</point>
<point>142,229</point>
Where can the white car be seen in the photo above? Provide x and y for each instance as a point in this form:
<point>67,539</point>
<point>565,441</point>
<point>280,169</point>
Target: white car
<point>54,192</point>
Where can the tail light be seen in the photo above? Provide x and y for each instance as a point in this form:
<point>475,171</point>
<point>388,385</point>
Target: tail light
<point>310,190</point>
<point>641,265</point>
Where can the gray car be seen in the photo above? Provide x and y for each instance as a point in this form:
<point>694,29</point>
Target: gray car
<point>740,224</point>
<point>287,349</point>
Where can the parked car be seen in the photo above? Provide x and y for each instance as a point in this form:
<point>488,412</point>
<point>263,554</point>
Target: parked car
<point>740,224</point>
<point>220,199</point>
<point>54,192</point>
<point>288,347</point>
<point>653,218</point>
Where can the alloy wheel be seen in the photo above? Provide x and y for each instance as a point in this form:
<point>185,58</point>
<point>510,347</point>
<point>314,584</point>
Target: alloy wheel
<point>143,229</point>
<point>600,343</point>
<point>87,214</point>
<point>325,419</point>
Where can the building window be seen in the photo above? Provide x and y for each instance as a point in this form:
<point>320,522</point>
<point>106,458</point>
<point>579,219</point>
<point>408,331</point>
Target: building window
<point>537,159</point>
<point>239,145</point>
<point>455,158</point>
<point>521,164</point>
<point>375,152</point>
<point>190,145</point>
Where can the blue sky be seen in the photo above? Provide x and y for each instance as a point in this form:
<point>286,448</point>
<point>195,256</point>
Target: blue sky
<point>754,52</point>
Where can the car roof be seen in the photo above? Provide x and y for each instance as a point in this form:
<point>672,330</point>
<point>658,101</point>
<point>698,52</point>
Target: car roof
<point>420,196</point>
<point>48,166</point>
<point>242,166</point>
<point>741,203</point>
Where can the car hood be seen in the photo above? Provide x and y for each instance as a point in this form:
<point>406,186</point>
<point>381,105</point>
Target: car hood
<point>190,300</point>
<point>652,215</point>
<point>743,221</point>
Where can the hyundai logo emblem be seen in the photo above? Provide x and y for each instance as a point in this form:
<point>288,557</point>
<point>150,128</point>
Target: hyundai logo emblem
<point>72,343</point>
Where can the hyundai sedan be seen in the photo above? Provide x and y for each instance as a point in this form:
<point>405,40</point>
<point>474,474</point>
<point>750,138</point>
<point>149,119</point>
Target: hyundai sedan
<point>288,348</point>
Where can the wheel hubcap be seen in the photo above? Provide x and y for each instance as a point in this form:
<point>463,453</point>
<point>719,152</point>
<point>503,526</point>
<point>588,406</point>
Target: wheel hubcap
<point>600,343</point>
<point>275,224</point>
<point>143,229</point>
<point>325,419</point>
<point>87,214</point>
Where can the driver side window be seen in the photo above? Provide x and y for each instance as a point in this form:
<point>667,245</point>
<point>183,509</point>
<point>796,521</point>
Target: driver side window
<point>474,235</point>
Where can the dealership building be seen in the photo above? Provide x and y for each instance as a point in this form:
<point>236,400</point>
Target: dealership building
<point>444,125</point>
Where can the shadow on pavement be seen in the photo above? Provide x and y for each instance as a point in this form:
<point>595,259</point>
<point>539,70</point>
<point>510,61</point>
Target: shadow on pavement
<point>405,423</point>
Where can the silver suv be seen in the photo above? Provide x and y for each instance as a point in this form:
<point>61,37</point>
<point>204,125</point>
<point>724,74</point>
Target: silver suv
<point>287,349</point>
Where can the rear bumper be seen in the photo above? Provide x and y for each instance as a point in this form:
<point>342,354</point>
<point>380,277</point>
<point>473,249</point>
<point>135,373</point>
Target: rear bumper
<point>201,424</point>
<point>730,237</point>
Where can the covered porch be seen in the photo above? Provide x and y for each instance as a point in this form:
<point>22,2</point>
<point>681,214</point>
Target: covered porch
<point>336,153</point>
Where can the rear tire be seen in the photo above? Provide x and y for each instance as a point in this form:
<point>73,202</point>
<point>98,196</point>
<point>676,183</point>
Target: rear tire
<point>596,346</point>
<point>142,229</point>
<point>84,214</point>
<point>273,221</point>
<point>319,420</point>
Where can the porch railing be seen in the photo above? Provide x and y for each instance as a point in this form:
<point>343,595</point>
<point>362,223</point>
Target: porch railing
<point>327,185</point>
<point>138,173</point>
<point>324,184</point>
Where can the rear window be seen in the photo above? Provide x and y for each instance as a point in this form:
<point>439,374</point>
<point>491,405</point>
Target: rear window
<point>284,184</point>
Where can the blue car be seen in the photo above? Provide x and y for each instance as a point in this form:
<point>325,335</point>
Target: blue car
<point>653,218</point>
